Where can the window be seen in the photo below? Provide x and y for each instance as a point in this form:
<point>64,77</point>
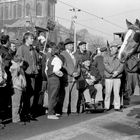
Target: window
<point>39,9</point>
<point>28,8</point>
<point>10,11</point>
<point>19,11</point>
<point>14,11</point>
<point>1,12</point>
<point>50,10</point>
<point>6,12</point>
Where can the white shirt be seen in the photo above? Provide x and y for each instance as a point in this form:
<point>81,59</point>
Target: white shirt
<point>57,64</point>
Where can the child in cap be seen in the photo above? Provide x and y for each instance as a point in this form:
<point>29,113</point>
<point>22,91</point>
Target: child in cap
<point>19,85</point>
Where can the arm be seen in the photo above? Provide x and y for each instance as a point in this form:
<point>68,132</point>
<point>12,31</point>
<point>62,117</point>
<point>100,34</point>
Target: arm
<point>108,66</point>
<point>119,68</point>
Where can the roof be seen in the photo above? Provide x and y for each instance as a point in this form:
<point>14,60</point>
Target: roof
<point>26,22</point>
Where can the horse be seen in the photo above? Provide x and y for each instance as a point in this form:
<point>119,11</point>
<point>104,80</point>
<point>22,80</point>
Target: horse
<point>131,41</point>
<point>129,55</point>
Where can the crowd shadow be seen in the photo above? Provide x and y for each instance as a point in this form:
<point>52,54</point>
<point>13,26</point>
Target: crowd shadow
<point>123,129</point>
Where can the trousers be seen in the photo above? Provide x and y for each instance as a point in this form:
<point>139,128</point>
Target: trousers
<point>115,85</point>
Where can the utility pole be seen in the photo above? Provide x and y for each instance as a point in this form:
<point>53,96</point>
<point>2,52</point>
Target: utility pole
<point>74,18</point>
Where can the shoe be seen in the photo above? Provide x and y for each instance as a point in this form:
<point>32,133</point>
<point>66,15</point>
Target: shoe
<point>123,106</point>
<point>73,113</point>
<point>64,114</point>
<point>46,112</point>
<point>53,117</point>
<point>138,116</point>
<point>89,105</point>
<point>32,118</point>
<point>57,115</point>
<point>119,110</point>
<point>25,119</point>
<point>18,122</point>
<point>106,110</point>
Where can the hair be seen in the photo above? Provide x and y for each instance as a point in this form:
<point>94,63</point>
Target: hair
<point>26,35</point>
<point>61,46</point>
<point>4,39</point>
<point>55,49</point>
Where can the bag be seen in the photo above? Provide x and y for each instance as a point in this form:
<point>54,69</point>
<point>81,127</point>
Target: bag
<point>45,101</point>
<point>41,99</point>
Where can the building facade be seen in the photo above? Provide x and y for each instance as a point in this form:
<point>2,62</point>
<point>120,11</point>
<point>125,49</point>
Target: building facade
<point>32,10</point>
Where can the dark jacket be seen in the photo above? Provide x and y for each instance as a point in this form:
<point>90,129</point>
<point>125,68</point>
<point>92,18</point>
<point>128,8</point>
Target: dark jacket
<point>99,63</point>
<point>30,56</point>
<point>69,65</point>
<point>81,57</point>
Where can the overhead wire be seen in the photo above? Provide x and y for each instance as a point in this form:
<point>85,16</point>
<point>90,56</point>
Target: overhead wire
<point>89,13</point>
<point>85,26</point>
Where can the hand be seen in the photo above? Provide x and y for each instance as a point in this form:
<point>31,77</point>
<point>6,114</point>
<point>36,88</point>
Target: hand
<point>75,74</point>
<point>89,81</point>
<point>59,73</point>
<point>93,78</point>
<point>115,73</point>
<point>21,63</point>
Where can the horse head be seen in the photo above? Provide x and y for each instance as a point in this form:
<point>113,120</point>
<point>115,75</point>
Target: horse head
<point>131,40</point>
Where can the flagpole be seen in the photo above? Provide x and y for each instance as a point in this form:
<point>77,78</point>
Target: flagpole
<point>75,47</point>
<point>74,18</point>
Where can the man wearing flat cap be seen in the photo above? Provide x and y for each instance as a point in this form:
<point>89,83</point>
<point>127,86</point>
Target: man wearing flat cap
<point>113,72</point>
<point>72,72</point>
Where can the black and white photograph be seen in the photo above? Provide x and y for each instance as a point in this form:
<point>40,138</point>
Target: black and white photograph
<point>69,69</point>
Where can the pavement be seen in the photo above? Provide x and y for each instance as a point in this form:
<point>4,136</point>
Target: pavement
<point>105,126</point>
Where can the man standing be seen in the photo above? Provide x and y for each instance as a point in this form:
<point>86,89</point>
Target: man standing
<point>72,71</point>
<point>53,70</point>
<point>113,73</point>
<point>29,55</point>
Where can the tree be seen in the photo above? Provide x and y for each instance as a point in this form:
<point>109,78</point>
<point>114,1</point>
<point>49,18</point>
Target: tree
<point>94,41</point>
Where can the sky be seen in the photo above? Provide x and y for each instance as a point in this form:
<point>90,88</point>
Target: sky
<point>113,12</point>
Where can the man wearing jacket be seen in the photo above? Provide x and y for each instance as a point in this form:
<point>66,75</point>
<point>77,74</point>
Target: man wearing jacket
<point>72,71</point>
<point>29,55</point>
<point>113,72</point>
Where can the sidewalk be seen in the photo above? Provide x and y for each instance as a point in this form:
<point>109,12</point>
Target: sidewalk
<point>92,126</point>
<point>112,126</point>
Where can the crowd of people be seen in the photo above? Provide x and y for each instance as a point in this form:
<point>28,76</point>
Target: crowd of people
<point>70,79</point>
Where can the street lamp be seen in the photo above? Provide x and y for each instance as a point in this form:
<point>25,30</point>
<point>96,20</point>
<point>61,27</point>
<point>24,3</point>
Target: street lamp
<point>74,18</point>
